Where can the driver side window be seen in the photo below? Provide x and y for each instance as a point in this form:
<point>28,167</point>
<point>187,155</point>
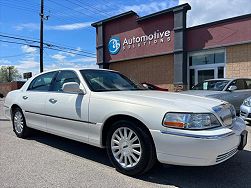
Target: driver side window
<point>64,77</point>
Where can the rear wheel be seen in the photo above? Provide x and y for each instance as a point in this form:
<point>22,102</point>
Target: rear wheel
<point>130,148</point>
<point>19,123</point>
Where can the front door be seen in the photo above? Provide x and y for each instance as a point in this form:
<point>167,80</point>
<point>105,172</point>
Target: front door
<point>68,112</point>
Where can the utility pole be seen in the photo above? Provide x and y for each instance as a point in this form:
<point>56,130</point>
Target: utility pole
<point>9,68</point>
<point>42,36</point>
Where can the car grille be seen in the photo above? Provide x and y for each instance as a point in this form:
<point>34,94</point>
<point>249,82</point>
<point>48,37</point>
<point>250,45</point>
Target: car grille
<point>226,112</point>
<point>243,113</point>
<point>226,155</point>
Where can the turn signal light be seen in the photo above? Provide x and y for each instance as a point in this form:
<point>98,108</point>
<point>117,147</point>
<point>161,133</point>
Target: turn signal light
<point>174,124</point>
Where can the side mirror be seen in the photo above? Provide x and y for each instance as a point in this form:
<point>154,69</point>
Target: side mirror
<point>72,87</point>
<point>232,88</point>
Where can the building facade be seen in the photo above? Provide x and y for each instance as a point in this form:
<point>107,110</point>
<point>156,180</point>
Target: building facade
<point>160,49</point>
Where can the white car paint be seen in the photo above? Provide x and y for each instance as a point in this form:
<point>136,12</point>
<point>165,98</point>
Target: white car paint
<point>83,117</point>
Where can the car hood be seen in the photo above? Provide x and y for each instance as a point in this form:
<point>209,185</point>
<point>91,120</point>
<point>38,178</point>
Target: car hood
<point>168,100</point>
<point>203,93</point>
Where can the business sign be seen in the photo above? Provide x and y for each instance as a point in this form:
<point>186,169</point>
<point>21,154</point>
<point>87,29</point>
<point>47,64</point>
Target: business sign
<point>27,75</point>
<point>133,42</point>
<point>114,45</point>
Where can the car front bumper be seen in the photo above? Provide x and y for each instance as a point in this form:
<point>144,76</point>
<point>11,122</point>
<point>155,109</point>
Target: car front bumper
<point>245,112</point>
<point>199,148</point>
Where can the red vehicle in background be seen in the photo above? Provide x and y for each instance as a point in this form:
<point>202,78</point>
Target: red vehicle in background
<point>153,87</point>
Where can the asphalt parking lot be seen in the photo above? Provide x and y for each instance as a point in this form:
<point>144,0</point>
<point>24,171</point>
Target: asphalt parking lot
<point>44,160</point>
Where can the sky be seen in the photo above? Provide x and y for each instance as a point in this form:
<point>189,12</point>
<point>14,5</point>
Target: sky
<point>69,26</point>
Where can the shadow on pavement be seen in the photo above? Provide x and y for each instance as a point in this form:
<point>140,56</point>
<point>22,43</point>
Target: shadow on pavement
<point>233,173</point>
<point>70,146</point>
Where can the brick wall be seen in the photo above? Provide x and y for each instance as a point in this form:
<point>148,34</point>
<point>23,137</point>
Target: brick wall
<point>157,70</point>
<point>238,61</point>
<point>7,87</point>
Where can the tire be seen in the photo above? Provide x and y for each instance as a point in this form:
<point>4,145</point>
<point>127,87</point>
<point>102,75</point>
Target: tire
<point>19,124</point>
<point>133,155</point>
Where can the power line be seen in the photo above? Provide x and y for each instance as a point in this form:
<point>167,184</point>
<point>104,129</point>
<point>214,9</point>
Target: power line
<point>59,4</point>
<point>47,44</point>
<point>58,15</point>
<point>89,7</point>
<point>51,48</point>
<point>10,56</point>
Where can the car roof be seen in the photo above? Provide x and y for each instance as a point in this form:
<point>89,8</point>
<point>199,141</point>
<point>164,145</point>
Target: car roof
<point>75,69</point>
<point>229,79</point>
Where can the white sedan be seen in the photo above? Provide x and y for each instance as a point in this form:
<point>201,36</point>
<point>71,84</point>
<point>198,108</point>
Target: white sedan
<point>136,126</point>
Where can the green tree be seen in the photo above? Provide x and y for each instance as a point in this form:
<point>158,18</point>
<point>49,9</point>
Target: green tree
<point>9,73</point>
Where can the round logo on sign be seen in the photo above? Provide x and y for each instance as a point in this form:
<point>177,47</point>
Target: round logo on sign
<point>114,45</point>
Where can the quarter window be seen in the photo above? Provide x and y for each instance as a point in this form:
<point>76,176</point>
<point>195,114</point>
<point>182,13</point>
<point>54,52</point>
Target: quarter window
<point>64,77</point>
<point>42,82</point>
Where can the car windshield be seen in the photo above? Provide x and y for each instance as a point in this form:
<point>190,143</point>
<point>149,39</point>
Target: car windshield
<point>214,85</point>
<point>101,80</point>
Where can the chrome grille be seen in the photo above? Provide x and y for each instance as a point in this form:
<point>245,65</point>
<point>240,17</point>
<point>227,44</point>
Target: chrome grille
<point>226,155</point>
<point>226,112</point>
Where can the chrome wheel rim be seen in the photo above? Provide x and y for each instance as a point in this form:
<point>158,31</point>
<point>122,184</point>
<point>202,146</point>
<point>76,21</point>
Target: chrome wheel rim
<point>18,122</point>
<point>126,147</point>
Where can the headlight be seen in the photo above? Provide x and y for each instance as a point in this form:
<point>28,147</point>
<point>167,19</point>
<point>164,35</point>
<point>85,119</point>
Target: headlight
<point>190,121</point>
<point>247,102</point>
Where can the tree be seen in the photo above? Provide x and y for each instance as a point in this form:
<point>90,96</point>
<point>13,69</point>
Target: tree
<point>9,73</point>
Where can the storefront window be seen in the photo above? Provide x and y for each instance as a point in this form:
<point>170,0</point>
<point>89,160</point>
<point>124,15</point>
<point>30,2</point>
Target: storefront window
<point>219,57</point>
<point>220,72</point>
<point>208,58</point>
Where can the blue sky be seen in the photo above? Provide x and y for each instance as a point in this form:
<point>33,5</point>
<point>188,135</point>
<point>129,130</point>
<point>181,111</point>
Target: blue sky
<point>69,25</point>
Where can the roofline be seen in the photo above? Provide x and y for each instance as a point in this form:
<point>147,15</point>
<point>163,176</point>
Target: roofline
<point>221,21</point>
<point>128,13</point>
<point>185,6</point>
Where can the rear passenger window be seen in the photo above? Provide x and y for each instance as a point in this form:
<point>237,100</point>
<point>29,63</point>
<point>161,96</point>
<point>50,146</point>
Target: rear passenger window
<point>64,77</point>
<point>42,82</point>
<point>239,84</point>
<point>248,84</point>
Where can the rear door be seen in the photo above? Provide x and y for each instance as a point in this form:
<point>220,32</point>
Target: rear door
<point>237,96</point>
<point>33,100</point>
<point>67,112</point>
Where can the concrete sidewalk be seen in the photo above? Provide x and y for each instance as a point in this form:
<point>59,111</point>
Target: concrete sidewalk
<point>2,116</point>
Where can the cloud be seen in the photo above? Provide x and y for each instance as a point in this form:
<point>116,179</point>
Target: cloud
<point>85,60</point>
<point>69,27</point>
<point>69,64</point>
<point>65,27</point>
<point>27,65</point>
<point>4,62</point>
<point>29,26</point>
<point>148,8</point>
<point>28,49</point>
<point>58,57</point>
<point>211,10</point>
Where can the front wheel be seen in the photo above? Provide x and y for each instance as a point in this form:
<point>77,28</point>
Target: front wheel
<point>19,123</point>
<point>130,148</point>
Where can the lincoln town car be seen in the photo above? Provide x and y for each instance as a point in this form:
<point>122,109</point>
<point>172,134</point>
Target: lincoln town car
<point>136,126</point>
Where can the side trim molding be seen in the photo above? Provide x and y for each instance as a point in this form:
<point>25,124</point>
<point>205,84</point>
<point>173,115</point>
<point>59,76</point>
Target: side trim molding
<point>60,117</point>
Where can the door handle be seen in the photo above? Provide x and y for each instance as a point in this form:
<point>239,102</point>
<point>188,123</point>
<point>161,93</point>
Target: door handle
<point>53,101</point>
<point>25,97</point>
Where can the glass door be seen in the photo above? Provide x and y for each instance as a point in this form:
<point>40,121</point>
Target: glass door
<point>205,75</point>
<point>198,75</point>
